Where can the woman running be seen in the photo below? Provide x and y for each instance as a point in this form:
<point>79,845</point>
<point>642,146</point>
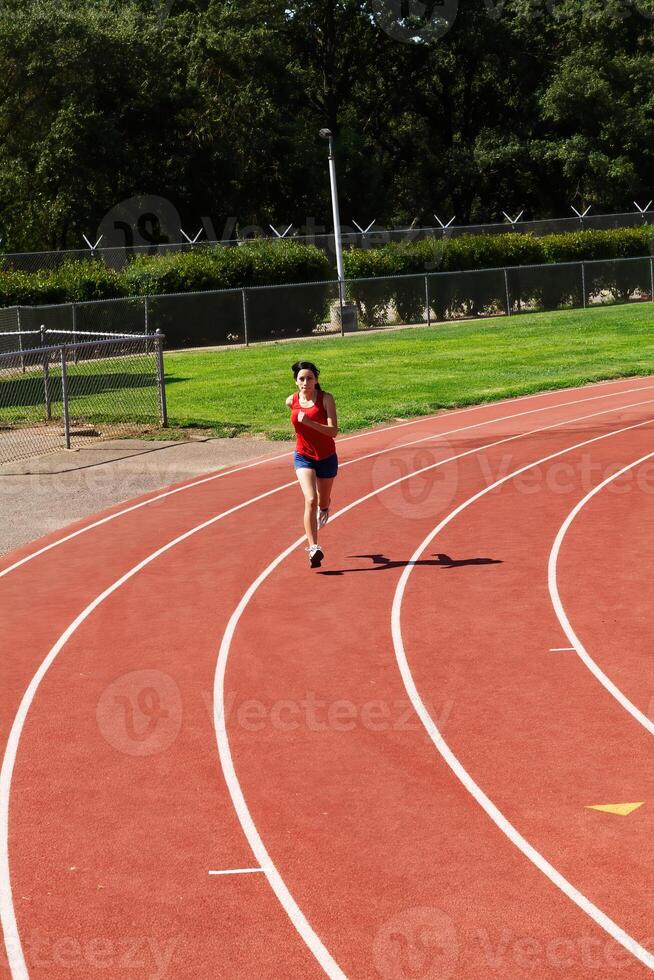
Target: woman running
<point>313,414</point>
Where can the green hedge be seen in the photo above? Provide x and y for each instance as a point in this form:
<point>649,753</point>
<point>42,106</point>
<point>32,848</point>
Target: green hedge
<point>252,264</point>
<point>496,251</point>
<point>71,282</point>
<point>479,294</point>
<point>267,263</point>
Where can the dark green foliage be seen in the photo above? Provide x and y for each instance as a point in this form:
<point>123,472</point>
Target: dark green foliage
<point>495,252</point>
<point>88,280</point>
<point>71,282</point>
<point>484,293</point>
<point>252,264</point>
<point>216,108</point>
<point>464,277</point>
<point>30,289</point>
<point>492,251</point>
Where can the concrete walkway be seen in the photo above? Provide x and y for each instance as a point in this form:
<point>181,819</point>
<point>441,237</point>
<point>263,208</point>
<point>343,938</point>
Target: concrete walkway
<point>45,493</point>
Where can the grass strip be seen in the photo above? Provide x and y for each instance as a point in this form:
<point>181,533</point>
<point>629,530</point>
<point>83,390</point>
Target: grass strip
<point>377,377</point>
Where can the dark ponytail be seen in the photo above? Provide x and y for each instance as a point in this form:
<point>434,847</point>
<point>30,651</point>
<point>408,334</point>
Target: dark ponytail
<point>306,366</point>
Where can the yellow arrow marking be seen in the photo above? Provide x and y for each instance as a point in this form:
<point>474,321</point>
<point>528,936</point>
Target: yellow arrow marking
<point>623,809</point>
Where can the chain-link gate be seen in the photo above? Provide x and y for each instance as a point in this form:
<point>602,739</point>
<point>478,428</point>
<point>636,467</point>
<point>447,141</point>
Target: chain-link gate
<point>56,395</point>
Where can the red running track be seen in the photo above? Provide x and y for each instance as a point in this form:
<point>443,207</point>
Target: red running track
<point>391,759</point>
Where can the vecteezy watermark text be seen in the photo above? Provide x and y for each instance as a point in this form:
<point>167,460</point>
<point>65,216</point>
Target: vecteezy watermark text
<point>118,957</point>
<point>140,713</point>
<point>150,223</point>
<point>315,714</point>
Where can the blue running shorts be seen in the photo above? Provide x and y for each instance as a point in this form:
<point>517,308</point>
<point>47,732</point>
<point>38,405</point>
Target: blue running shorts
<point>325,469</point>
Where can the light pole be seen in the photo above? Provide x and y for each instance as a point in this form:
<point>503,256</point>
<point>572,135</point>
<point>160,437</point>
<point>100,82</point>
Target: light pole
<point>326,134</point>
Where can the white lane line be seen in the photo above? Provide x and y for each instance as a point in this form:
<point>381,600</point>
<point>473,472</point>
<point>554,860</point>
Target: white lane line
<point>498,818</point>
<point>560,649</point>
<point>224,750</point>
<point>7,911</point>
<point>577,645</point>
<point>238,871</point>
<point>358,435</point>
<point>11,935</point>
<point>202,480</point>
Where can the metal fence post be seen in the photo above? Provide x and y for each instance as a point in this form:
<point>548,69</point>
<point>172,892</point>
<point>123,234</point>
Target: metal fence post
<point>583,283</point>
<point>508,297</point>
<point>64,397</point>
<point>427,301</point>
<point>46,377</point>
<point>146,323</point>
<point>161,380</point>
<point>245,318</point>
<point>73,310</point>
<point>20,340</point>
<point>651,276</point>
<point>340,304</point>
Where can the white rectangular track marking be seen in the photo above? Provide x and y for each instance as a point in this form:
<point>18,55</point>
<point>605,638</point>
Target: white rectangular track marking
<point>238,871</point>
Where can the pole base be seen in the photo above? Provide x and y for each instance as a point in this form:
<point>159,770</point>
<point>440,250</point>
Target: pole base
<point>345,317</point>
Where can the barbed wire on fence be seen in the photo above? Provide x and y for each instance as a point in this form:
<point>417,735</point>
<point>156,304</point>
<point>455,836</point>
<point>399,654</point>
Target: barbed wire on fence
<point>117,256</point>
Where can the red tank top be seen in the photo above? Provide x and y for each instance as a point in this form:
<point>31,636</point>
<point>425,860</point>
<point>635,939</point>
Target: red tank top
<point>310,443</point>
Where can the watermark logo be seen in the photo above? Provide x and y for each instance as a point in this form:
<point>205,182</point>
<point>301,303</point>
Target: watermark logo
<point>140,713</point>
<point>423,483</point>
<point>420,944</point>
<point>143,222</point>
<point>415,22</point>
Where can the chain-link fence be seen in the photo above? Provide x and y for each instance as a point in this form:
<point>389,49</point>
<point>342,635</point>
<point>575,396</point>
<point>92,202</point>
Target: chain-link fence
<point>443,296</point>
<point>117,257</point>
<point>9,327</point>
<point>245,316</point>
<point>231,317</point>
<point>377,237</point>
<point>74,372</point>
<point>56,395</point>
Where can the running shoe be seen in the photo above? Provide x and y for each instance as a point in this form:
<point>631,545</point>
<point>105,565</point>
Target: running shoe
<point>323,516</point>
<point>315,555</point>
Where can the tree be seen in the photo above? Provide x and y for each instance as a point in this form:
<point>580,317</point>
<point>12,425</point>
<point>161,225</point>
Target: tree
<point>87,115</point>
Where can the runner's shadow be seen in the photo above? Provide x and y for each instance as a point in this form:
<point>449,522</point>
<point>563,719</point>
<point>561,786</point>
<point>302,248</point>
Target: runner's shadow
<point>381,562</point>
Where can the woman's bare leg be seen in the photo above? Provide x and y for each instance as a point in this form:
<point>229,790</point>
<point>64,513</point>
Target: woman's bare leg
<point>324,492</point>
<point>307,480</point>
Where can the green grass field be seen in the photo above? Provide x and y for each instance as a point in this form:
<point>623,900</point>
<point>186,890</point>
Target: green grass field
<point>387,375</point>
<point>116,389</point>
<point>375,376</point>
